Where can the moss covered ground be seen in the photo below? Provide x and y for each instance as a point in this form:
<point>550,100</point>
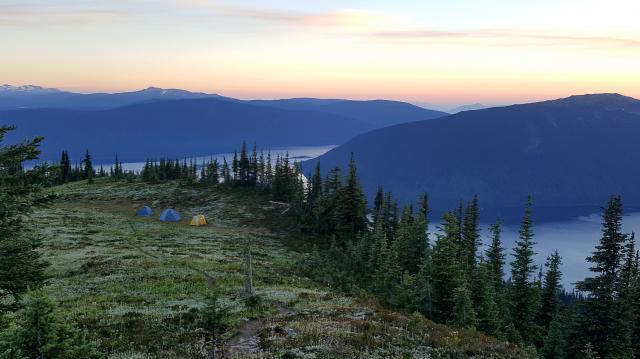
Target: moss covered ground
<point>138,285</point>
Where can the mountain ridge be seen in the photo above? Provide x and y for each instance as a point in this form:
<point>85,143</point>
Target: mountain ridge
<point>560,150</point>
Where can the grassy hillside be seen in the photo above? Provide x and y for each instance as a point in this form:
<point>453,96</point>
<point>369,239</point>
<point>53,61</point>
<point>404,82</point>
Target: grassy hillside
<point>139,284</point>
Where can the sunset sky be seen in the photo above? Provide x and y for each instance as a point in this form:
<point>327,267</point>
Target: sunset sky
<point>436,52</point>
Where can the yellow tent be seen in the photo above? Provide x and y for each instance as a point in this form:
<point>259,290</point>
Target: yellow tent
<point>198,220</point>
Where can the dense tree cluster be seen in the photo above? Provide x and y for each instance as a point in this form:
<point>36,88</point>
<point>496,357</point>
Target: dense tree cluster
<point>446,276</point>
<point>29,324</point>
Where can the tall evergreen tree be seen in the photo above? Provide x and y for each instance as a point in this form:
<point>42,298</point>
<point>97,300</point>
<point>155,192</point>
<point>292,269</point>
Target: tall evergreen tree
<point>351,207</point>
<point>447,272</point>
<point>470,236</point>
<point>463,315</point>
<point>607,322</point>
<point>88,172</point>
<point>485,298</point>
<point>549,298</point>
<point>21,266</point>
<point>496,257</point>
<point>226,174</point>
<point>65,168</point>
<point>523,291</point>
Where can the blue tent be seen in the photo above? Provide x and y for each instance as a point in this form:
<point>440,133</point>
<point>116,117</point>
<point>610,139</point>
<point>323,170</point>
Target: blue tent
<point>145,211</point>
<point>169,215</point>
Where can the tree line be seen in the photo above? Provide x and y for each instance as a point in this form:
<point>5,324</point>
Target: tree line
<point>445,273</point>
<point>448,276</point>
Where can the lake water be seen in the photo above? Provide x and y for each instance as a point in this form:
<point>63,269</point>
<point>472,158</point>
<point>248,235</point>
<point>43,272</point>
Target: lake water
<point>575,240</point>
<point>299,154</point>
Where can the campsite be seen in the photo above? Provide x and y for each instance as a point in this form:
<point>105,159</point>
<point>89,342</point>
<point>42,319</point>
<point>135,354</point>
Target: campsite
<point>141,282</point>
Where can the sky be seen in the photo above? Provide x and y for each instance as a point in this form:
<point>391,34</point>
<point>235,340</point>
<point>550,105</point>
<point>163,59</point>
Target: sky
<point>447,53</point>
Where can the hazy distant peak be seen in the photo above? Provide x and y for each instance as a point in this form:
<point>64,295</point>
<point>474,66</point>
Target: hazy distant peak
<point>32,89</point>
<point>471,107</point>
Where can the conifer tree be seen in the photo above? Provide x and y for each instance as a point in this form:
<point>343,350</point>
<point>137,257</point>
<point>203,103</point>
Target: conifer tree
<point>215,320</point>
<point>244,165</point>
<point>261,177</point>
<point>315,186</point>
<point>447,272</point>
<point>65,167</point>
<point>226,174</point>
<point>117,171</point>
<point>606,320</point>
<point>235,166</point>
<point>463,315</point>
<point>21,266</point>
<point>378,202</point>
<point>386,271</point>
<point>470,236</point>
<point>523,291</point>
<point>549,301</point>
<point>212,173</point>
<point>424,283</point>
<point>496,257</point>
<point>486,304</point>
<point>268,172</point>
<point>88,171</point>
<point>253,166</point>
<point>42,333</point>
<point>351,207</point>
<point>555,341</point>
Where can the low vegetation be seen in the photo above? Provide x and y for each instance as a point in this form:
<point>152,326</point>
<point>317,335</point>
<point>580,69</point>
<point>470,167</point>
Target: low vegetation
<point>140,287</point>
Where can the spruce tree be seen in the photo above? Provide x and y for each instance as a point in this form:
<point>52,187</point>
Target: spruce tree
<point>523,291</point>
<point>424,283</point>
<point>215,321</point>
<point>351,206</point>
<point>606,320</point>
<point>555,342</point>
<point>549,301</point>
<point>386,270</point>
<point>88,172</point>
<point>463,315</point>
<point>268,172</point>
<point>496,257</point>
<point>244,165</point>
<point>378,202</point>
<point>470,236</point>
<point>226,174</point>
<point>447,272</point>
<point>65,167</point>
<point>485,298</point>
<point>40,332</point>
<point>21,266</point>
<point>235,166</point>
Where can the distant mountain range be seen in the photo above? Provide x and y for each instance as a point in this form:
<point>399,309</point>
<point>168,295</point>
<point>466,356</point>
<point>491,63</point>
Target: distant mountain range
<point>570,154</point>
<point>170,122</point>
<point>29,97</point>
<point>377,113</point>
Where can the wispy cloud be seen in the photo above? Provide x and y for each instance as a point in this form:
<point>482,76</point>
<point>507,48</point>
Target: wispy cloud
<point>515,36</point>
<point>26,15</point>
<point>339,18</point>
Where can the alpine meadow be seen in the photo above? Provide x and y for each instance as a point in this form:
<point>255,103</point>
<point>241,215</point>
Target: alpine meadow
<point>244,179</point>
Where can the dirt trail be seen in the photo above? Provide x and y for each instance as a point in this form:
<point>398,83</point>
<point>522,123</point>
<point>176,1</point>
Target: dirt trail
<point>247,339</point>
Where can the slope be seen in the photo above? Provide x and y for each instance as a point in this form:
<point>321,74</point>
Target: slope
<point>570,154</point>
